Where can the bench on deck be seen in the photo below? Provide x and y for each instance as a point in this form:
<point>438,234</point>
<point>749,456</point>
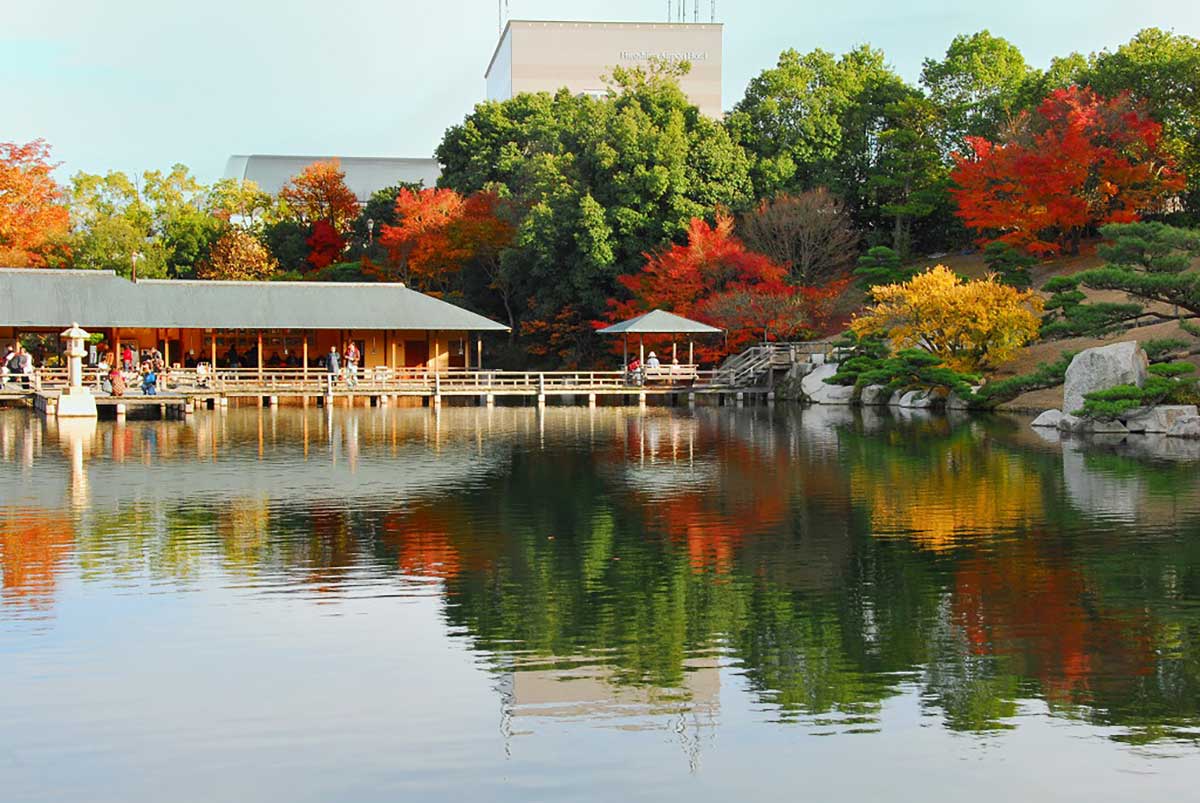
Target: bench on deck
<point>670,374</point>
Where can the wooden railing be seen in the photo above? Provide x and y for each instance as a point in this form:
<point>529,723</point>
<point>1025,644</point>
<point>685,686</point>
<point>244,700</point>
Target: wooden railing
<point>283,381</point>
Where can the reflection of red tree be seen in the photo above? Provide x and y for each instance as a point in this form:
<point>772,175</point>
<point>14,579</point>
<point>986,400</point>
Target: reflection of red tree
<point>33,544</point>
<point>750,495</point>
<point>421,538</point>
<point>1039,611</point>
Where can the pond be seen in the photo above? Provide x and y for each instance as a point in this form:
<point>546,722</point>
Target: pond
<point>594,605</point>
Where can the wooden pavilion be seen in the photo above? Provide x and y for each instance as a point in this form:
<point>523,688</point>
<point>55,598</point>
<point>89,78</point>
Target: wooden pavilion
<point>659,322</point>
<point>256,324</point>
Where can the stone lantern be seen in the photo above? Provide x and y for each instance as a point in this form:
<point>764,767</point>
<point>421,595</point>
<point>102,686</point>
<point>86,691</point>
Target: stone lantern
<point>76,401</point>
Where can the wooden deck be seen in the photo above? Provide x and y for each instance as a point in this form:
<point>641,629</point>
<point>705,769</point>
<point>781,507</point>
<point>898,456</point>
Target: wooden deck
<point>745,377</point>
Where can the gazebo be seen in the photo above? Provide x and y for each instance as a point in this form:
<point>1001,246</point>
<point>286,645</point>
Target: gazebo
<point>658,322</point>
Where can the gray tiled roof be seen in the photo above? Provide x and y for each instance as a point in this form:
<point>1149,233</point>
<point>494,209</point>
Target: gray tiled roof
<point>659,322</point>
<point>31,297</point>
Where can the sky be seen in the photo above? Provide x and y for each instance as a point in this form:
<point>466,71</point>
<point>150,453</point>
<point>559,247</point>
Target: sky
<point>143,84</point>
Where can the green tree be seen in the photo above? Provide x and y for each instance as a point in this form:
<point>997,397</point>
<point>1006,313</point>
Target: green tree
<point>243,203</point>
<point>182,218</point>
<point>287,240</point>
<point>1149,261</point>
<point>851,124</point>
<point>113,225</point>
<point>790,120</point>
<point>909,179</point>
<point>1011,264</point>
<point>881,265</point>
<point>602,182</point>
<point>978,86</point>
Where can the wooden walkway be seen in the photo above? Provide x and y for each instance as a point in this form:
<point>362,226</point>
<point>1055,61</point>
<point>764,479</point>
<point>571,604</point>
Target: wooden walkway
<point>744,377</point>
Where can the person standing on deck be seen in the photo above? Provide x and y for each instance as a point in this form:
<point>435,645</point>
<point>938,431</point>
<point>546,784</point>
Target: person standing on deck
<point>331,366</point>
<point>352,357</point>
<point>26,362</point>
<point>8,366</point>
<point>127,358</point>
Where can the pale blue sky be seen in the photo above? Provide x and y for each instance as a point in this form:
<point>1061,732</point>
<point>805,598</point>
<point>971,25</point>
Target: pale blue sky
<point>137,84</point>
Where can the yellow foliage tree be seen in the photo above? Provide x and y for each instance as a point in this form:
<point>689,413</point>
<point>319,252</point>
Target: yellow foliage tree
<point>969,324</point>
<point>238,256</point>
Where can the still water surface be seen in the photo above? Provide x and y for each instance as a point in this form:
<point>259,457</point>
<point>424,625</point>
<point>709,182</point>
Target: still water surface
<point>593,605</point>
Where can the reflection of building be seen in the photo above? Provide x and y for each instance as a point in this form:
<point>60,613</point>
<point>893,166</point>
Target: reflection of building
<point>545,56</point>
<point>393,326</point>
<point>591,690</point>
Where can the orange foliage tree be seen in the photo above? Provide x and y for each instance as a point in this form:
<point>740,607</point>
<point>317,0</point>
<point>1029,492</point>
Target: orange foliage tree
<point>238,255</point>
<point>715,279</point>
<point>33,219</point>
<point>419,245</point>
<point>1076,162</point>
<point>319,192</point>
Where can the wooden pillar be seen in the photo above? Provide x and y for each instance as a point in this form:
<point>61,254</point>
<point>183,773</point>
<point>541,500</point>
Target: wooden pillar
<point>641,351</point>
<point>479,353</point>
<point>304,357</point>
<point>392,363</point>
<point>691,358</point>
<point>260,359</point>
<point>167,350</point>
<point>674,358</point>
<point>214,351</point>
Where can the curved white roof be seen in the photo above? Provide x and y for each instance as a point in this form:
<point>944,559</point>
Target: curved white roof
<point>364,174</point>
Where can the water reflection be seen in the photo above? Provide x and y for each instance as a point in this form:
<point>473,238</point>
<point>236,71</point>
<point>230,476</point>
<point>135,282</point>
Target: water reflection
<point>610,565</point>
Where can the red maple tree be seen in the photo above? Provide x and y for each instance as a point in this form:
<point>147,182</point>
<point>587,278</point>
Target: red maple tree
<point>325,245</point>
<point>715,279</point>
<point>1078,161</point>
<point>33,219</point>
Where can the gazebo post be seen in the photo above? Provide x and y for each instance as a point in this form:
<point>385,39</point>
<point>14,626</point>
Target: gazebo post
<point>641,351</point>
<point>479,352</point>
<point>691,358</point>
<point>624,351</point>
<point>674,356</point>
<point>214,349</point>
<point>304,357</point>
<point>260,359</point>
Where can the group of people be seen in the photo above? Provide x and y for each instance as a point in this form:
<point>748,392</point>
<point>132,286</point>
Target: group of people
<point>119,371</point>
<point>17,366</point>
<point>350,356</point>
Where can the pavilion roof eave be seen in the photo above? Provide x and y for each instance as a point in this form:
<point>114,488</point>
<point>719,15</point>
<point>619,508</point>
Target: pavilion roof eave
<point>659,322</point>
<point>56,298</point>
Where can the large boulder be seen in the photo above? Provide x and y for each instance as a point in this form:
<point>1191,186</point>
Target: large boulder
<point>1103,368</point>
<point>1049,419</point>
<point>1069,423</point>
<point>917,400</point>
<point>1098,427</point>
<point>817,391</point>
<point>1187,426</point>
<point>874,396</point>
<point>1156,419</point>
